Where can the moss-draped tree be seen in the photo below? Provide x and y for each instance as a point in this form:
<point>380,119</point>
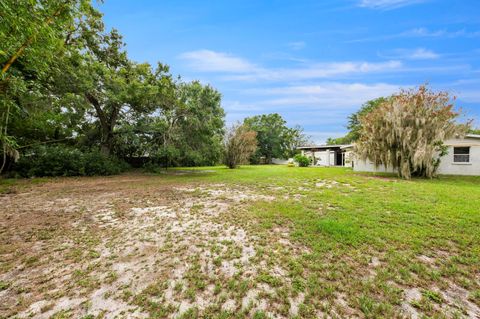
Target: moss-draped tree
<point>406,131</point>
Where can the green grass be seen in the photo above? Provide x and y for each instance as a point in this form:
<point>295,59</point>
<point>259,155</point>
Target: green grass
<point>9,185</point>
<point>423,234</point>
<point>361,216</point>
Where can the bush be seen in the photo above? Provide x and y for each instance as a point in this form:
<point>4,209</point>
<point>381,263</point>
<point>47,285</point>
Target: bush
<point>302,161</point>
<point>50,161</point>
<point>239,144</point>
<point>66,161</point>
<point>99,164</point>
<point>153,167</point>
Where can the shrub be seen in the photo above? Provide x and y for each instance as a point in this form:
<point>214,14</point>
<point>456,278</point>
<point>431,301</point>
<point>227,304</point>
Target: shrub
<point>50,161</point>
<point>99,164</point>
<point>240,143</point>
<point>302,160</point>
<point>66,161</point>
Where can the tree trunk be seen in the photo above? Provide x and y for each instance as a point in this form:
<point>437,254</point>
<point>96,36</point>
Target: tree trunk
<point>106,139</point>
<point>268,159</point>
<point>5,136</point>
<point>107,123</point>
<point>105,148</point>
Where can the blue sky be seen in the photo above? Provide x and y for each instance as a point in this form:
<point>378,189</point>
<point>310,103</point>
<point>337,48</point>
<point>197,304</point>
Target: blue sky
<point>314,62</point>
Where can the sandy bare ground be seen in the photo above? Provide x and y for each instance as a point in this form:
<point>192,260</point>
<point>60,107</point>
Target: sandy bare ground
<point>129,247</point>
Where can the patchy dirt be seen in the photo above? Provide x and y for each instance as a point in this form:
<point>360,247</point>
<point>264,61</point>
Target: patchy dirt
<point>109,247</point>
<point>139,246</point>
<point>457,297</point>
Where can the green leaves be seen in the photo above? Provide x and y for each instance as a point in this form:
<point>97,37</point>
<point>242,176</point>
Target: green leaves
<point>354,124</point>
<point>275,139</point>
<point>33,32</point>
<point>66,79</point>
<point>302,160</point>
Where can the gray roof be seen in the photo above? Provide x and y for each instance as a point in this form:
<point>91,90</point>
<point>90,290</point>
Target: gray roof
<point>324,146</point>
<point>473,135</point>
<point>343,146</point>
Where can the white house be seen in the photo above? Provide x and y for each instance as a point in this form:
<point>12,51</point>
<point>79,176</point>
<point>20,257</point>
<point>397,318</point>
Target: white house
<point>463,158</point>
<point>329,155</point>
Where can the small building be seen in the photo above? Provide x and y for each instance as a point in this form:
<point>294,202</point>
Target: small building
<point>329,155</point>
<point>463,158</point>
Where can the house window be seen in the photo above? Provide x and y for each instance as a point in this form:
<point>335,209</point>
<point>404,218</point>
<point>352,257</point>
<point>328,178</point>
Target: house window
<point>461,154</point>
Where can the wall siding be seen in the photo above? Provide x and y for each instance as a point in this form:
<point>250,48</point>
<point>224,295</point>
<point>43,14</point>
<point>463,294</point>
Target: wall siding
<point>447,166</point>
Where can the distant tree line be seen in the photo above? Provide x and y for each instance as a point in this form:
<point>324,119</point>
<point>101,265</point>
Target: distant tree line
<point>275,138</point>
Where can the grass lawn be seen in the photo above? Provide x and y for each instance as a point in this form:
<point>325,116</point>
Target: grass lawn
<point>259,241</point>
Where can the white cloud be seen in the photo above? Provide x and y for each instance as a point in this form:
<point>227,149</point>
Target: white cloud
<point>422,54</point>
<point>211,61</point>
<point>297,45</point>
<point>243,70</point>
<point>326,96</point>
<point>468,95</point>
<point>387,4</point>
<point>421,33</point>
<point>237,106</point>
<point>315,71</point>
<point>411,54</point>
<point>424,32</point>
<point>319,137</point>
<point>321,108</point>
<point>322,70</point>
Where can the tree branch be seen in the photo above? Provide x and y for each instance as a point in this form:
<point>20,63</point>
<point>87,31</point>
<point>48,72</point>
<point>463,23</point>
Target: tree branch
<point>29,40</point>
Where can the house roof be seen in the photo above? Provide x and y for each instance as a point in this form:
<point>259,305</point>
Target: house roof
<point>473,135</point>
<point>465,141</point>
<point>325,146</point>
<point>345,146</point>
